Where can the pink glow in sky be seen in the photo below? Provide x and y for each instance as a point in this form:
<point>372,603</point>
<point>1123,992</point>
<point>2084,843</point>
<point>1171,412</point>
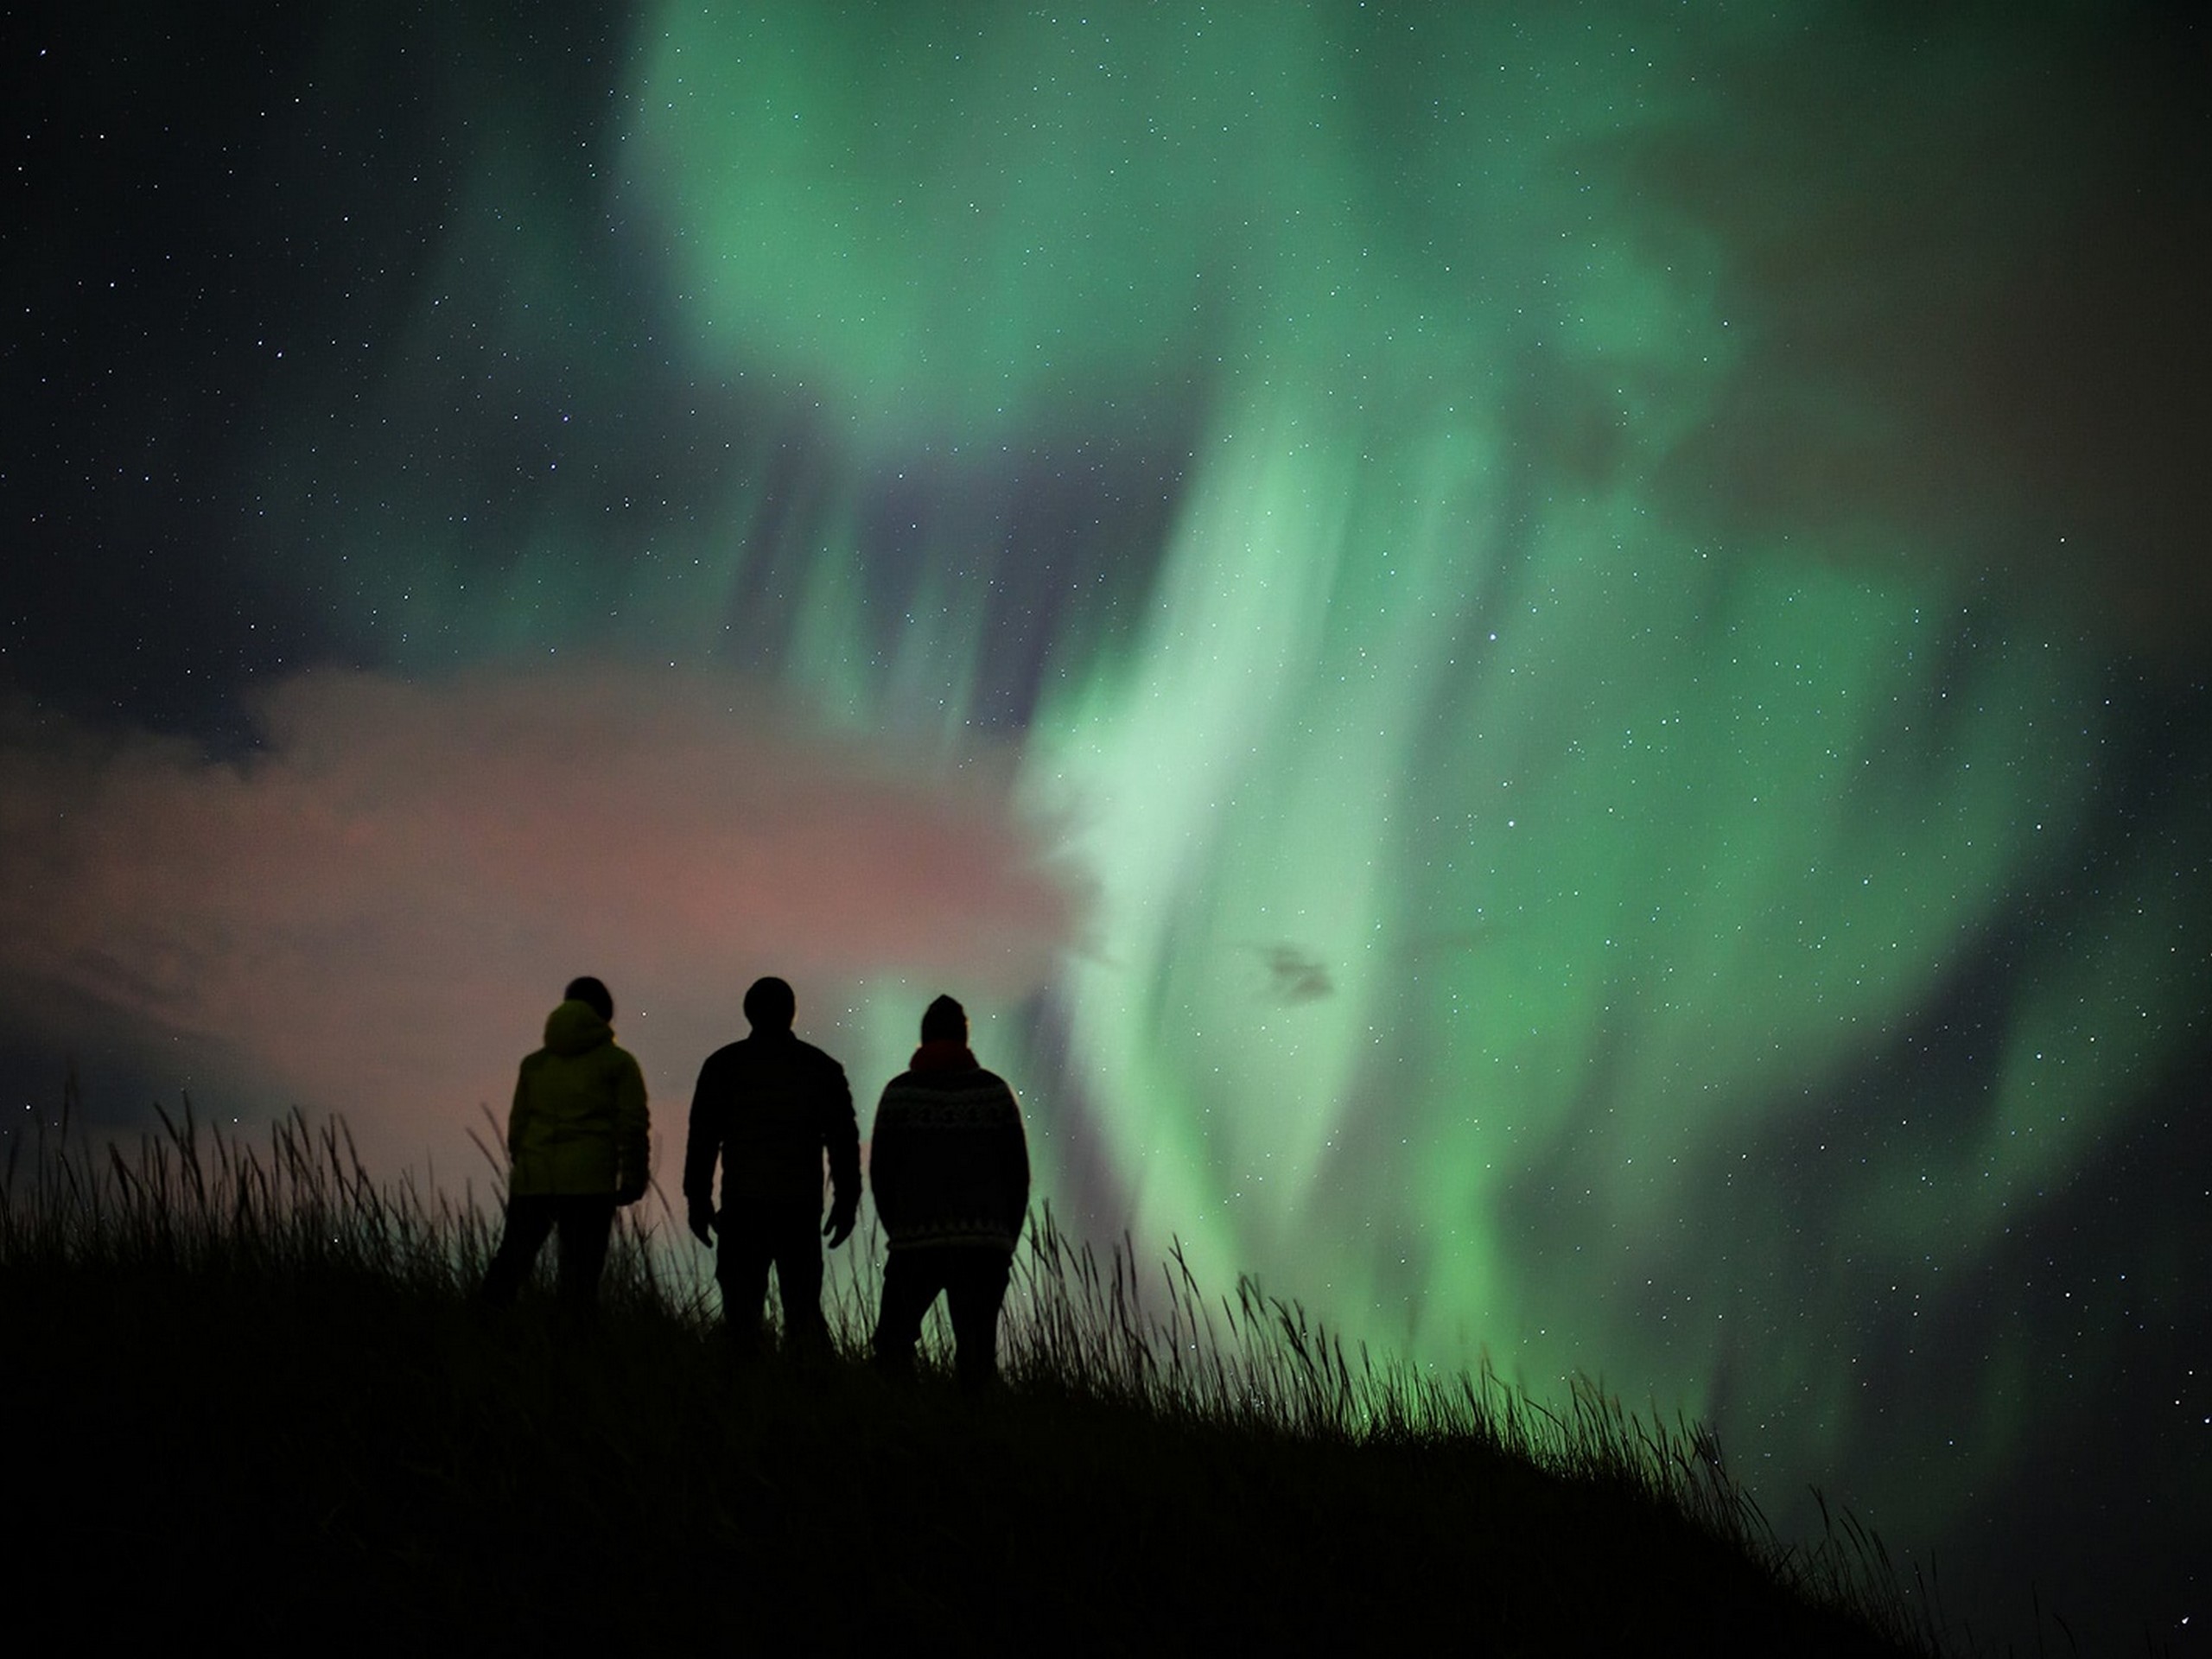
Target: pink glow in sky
<point>372,916</point>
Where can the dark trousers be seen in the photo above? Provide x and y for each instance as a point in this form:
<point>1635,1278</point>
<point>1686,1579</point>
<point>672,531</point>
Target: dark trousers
<point>746,1246</point>
<point>973,1278</point>
<point>584,1221</point>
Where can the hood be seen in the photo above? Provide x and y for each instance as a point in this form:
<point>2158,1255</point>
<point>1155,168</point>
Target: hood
<point>575,1029</point>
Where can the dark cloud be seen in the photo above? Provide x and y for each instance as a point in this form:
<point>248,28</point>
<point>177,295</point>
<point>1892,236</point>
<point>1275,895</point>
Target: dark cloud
<point>1962,266</point>
<point>1293,977</point>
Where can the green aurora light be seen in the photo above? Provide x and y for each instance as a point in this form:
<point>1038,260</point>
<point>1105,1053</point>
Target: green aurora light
<point>1492,864</point>
<point>1636,820</point>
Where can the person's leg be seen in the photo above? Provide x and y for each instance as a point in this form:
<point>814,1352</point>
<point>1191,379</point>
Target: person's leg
<point>976,1289</point>
<point>911,1282</point>
<point>799,1281</point>
<point>742,1258</point>
<point>529,1219</point>
<point>587,1222</point>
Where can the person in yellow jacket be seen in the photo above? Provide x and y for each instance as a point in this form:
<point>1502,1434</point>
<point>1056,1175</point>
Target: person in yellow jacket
<point>577,1143</point>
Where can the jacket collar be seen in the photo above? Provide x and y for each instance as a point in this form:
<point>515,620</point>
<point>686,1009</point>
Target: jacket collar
<point>942,1055</point>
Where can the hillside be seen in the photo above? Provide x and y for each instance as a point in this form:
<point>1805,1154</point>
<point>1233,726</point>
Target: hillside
<point>265,1412</point>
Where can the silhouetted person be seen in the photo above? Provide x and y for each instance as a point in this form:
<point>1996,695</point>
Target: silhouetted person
<point>769,1106</point>
<point>949,1165</point>
<point>577,1138</point>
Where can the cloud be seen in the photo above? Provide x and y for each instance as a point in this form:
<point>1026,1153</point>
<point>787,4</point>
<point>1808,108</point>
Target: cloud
<point>373,914</point>
<point>1962,265</point>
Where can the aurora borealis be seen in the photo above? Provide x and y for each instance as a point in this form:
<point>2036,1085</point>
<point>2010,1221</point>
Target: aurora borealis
<point>1542,670</point>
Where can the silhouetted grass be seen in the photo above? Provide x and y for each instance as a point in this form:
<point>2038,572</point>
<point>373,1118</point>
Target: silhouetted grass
<point>268,1410</point>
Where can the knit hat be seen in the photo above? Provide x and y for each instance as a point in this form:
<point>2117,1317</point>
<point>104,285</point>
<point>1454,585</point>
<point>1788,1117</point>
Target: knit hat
<point>945,1020</point>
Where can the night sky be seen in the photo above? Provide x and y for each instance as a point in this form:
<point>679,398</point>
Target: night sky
<point>1542,670</point>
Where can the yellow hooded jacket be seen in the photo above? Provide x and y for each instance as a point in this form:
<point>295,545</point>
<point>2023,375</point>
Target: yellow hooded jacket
<point>579,1123</point>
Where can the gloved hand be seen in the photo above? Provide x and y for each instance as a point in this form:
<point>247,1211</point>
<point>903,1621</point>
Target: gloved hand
<point>702,1218</point>
<point>839,1227</point>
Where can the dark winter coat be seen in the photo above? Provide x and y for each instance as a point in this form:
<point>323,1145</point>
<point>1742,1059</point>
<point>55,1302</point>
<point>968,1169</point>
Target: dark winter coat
<point>768,1107</point>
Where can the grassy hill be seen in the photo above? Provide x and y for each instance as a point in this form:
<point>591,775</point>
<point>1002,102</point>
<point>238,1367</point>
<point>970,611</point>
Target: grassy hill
<point>263,1409</point>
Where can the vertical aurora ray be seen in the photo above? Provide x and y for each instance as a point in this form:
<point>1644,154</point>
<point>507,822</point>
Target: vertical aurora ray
<point>1555,888</point>
<point>1528,919</point>
<point>1594,640</point>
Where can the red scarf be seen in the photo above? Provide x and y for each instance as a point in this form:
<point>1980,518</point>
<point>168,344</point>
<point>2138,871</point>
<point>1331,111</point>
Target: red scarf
<point>942,1054</point>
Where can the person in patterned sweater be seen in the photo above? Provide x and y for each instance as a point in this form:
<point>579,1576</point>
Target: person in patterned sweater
<point>950,1167</point>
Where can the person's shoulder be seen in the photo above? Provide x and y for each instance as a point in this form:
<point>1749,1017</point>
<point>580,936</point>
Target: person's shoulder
<point>904,1090</point>
<point>950,1080</point>
<point>728,1054</point>
<point>968,1095</point>
<point>819,1056</point>
<point>608,1062</point>
<point>991,1097</point>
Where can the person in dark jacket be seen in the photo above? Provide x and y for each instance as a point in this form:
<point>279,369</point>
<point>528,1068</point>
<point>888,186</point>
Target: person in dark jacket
<point>949,1167</point>
<point>578,1136</point>
<point>768,1107</point>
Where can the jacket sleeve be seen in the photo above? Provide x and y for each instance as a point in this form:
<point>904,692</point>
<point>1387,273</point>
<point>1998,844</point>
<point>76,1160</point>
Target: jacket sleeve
<point>702,1142</point>
<point>1015,1167</point>
<point>518,1114</point>
<point>841,1135</point>
<point>884,1153</point>
<point>632,1127</point>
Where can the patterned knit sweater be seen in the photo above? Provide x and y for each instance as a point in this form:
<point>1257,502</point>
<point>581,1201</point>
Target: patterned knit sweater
<point>948,1162</point>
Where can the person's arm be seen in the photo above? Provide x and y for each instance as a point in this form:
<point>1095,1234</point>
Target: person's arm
<point>632,1133</point>
<point>1013,1151</point>
<point>703,1145</point>
<point>518,1117</point>
<point>884,1151</point>
<point>840,1134</point>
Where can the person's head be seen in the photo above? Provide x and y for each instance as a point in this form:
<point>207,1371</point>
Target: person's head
<point>945,1021</point>
<point>593,995</point>
<point>770,1005</point>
